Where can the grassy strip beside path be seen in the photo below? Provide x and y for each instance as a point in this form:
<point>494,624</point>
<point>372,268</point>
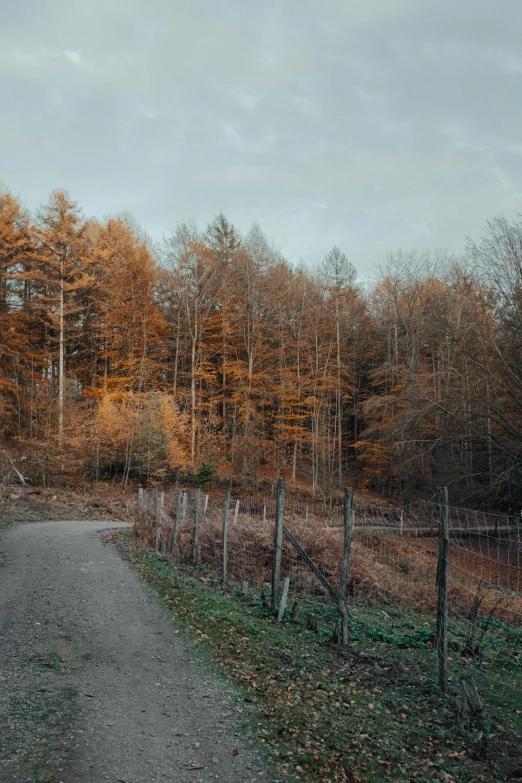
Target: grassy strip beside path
<point>321,712</point>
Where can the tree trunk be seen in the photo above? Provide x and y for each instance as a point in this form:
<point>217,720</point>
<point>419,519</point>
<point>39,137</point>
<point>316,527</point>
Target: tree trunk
<point>61,362</point>
<point>193,404</point>
<point>339,402</point>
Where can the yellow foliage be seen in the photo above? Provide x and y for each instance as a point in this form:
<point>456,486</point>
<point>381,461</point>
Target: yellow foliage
<point>150,425</point>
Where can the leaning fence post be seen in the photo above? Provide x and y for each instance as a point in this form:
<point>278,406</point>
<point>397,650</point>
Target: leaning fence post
<point>278,542</point>
<point>175,525</point>
<point>442,584</point>
<point>196,526</point>
<point>226,506</point>
<point>345,568</point>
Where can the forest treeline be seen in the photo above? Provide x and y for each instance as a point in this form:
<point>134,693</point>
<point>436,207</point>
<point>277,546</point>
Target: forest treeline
<point>119,359</point>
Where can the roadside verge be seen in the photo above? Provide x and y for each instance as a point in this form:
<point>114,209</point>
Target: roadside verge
<point>321,712</point>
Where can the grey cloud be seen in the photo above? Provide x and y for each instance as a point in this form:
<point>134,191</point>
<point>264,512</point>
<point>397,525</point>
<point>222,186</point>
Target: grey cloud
<point>367,124</point>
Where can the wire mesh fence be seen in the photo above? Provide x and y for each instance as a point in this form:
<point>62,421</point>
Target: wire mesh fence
<point>471,626</point>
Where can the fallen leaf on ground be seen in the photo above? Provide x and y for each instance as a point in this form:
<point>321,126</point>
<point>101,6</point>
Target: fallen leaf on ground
<point>235,752</point>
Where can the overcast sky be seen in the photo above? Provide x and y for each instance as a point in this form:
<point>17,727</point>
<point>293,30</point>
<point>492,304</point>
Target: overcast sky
<point>367,124</point>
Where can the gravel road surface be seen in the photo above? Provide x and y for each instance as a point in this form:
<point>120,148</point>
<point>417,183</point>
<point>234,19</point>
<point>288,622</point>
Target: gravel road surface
<point>148,710</point>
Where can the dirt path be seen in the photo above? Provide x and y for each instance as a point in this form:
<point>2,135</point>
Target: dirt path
<point>76,619</point>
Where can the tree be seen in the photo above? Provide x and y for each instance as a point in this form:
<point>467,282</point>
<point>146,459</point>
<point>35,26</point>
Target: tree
<point>63,271</point>
<point>196,275</point>
<point>16,254</point>
<point>497,358</point>
<point>224,242</point>
<point>339,276</point>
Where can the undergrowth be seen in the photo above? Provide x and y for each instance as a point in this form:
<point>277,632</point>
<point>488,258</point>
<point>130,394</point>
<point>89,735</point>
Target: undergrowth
<point>320,711</point>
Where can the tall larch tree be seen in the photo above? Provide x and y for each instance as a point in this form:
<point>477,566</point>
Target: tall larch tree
<point>62,273</point>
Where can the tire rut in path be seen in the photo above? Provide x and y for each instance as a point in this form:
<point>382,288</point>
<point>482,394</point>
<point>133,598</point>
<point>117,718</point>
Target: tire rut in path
<point>149,710</point>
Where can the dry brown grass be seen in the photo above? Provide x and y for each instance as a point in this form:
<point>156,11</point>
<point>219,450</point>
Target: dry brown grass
<point>94,501</point>
<point>384,567</point>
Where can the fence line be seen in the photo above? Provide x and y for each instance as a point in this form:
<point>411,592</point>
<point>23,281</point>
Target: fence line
<point>451,574</point>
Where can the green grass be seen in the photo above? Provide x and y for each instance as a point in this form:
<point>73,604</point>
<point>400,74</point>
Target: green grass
<point>19,511</point>
<point>48,661</point>
<point>496,667</point>
<point>370,712</point>
<point>6,517</point>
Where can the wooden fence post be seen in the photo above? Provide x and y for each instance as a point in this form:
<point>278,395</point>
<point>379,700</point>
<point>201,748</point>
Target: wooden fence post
<point>226,506</point>
<point>284,598</point>
<point>184,507</point>
<point>236,512</point>
<point>143,511</point>
<point>278,542</point>
<point>196,526</point>
<point>158,507</point>
<point>175,525</point>
<point>141,504</point>
<point>345,568</point>
<point>161,511</point>
<point>442,584</point>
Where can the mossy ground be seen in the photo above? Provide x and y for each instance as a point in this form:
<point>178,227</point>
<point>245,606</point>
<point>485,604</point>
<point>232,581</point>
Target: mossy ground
<point>323,712</point>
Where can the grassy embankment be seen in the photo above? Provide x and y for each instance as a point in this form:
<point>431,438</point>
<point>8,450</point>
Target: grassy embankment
<point>368,713</point>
